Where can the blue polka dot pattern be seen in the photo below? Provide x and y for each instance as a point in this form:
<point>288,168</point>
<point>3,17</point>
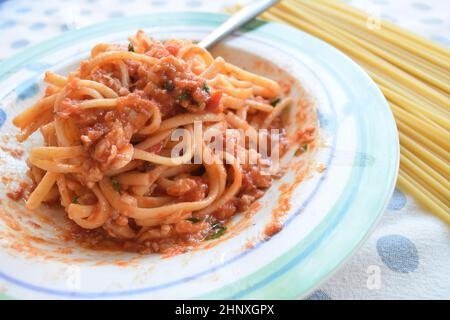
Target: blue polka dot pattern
<point>319,295</point>
<point>158,3</point>
<point>2,117</point>
<point>23,10</point>
<point>193,3</point>
<point>421,6</point>
<point>398,253</point>
<point>443,40</point>
<point>19,43</point>
<point>51,11</point>
<point>38,26</point>
<point>27,90</point>
<point>64,27</point>
<point>398,200</point>
<point>432,21</point>
<point>115,14</point>
<point>7,24</point>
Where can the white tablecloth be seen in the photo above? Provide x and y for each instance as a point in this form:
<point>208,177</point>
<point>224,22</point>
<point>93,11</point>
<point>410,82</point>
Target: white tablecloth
<point>407,256</point>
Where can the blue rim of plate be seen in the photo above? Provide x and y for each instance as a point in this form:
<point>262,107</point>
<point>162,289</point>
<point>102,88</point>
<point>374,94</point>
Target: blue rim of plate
<point>317,256</point>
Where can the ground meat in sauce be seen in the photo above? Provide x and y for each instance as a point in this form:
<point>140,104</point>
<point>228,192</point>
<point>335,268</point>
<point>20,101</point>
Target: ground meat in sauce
<point>105,133</point>
<point>244,202</point>
<point>189,189</point>
<point>168,85</point>
<point>22,191</point>
<point>253,180</point>
<point>226,211</point>
<point>174,85</point>
<point>110,80</point>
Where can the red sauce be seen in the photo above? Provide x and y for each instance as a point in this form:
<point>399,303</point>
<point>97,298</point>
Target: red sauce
<point>305,140</point>
<point>22,191</point>
<point>14,152</point>
<point>105,134</point>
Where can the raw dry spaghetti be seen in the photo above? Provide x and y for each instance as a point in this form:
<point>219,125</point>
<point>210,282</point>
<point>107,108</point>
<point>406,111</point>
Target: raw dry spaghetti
<point>411,71</point>
<point>108,158</point>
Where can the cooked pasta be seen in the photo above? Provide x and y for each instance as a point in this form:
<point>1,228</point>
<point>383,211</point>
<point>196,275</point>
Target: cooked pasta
<point>109,157</point>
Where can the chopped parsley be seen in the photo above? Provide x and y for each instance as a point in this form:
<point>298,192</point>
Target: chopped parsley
<point>193,220</point>
<point>75,199</point>
<point>220,230</point>
<point>184,96</point>
<point>302,149</point>
<point>275,102</point>
<point>205,87</point>
<point>130,47</point>
<point>116,185</point>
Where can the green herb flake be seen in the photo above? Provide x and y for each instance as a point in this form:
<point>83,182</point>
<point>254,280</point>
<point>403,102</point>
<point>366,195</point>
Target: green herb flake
<point>193,220</point>
<point>302,149</point>
<point>219,232</point>
<point>75,200</point>
<point>116,185</point>
<point>205,87</point>
<point>184,96</point>
<point>130,47</point>
<point>275,102</point>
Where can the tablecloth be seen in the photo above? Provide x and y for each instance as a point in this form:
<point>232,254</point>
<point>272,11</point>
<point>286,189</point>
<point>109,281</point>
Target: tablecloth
<point>408,254</point>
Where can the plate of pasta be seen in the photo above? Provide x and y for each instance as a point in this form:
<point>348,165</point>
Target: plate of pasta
<point>136,164</point>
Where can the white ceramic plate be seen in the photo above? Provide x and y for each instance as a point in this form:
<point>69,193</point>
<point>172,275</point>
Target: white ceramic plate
<point>330,212</point>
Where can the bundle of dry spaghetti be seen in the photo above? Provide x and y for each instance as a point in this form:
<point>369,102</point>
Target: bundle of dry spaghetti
<point>413,74</point>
